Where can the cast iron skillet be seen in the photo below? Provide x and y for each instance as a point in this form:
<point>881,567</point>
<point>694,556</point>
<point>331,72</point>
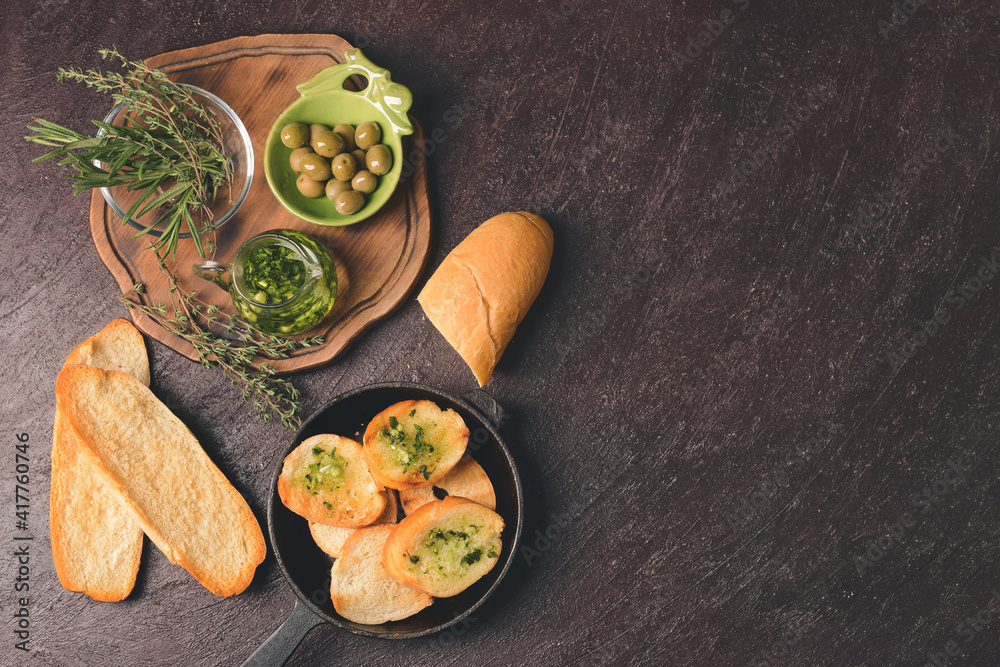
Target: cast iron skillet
<point>307,568</point>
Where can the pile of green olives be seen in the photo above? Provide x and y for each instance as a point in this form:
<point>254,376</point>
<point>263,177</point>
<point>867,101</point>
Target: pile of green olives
<point>343,163</point>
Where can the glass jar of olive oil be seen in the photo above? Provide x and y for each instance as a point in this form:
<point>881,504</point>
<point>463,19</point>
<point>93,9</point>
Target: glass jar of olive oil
<point>281,282</point>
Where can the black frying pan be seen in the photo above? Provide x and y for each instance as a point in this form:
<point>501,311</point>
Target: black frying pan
<point>307,568</point>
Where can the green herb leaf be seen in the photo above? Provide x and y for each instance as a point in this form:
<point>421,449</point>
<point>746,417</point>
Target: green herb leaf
<point>166,135</point>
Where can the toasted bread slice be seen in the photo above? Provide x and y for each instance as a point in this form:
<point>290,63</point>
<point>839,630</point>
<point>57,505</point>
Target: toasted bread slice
<point>96,545</point>
<point>361,590</point>
<point>161,474</point>
<point>326,480</point>
<point>444,547</point>
<point>117,347</point>
<point>413,444</point>
<point>467,479</point>
<point>331,538</point>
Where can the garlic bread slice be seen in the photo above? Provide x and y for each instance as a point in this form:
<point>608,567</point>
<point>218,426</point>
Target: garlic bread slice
<point>413,444</point>
<point>326,480</point>
<point>444,547</point>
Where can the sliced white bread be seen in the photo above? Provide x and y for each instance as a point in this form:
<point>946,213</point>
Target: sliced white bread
<point>96,545</point>
<point>326,480</point>
<point>444,547</point>
<point>413,444</point>
<point>161,474</point>
<point>331,538</point>
<point>467,480</point>
<point>361,590</point>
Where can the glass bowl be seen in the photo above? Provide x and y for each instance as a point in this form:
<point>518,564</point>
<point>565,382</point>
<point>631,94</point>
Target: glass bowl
<point>227,202</point>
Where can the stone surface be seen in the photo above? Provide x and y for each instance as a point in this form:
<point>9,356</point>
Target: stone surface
<point>738,424</point>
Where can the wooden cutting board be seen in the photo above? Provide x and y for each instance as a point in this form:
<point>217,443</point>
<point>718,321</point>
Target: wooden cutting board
<point>379,260</point>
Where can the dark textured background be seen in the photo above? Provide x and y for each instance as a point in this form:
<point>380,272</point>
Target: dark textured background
<point>706,341</point>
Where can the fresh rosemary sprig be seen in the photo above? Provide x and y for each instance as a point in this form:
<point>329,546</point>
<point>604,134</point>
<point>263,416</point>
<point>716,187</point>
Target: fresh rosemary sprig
<point>233,351</point>
<point>170,149</point>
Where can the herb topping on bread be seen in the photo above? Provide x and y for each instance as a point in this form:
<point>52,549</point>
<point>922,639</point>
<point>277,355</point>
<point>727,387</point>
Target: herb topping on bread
<point>444,547</point>
<point>413,444</point>
<point>325,479</point>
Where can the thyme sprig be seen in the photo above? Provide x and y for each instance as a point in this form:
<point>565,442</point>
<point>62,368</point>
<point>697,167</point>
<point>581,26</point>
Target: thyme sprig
<point>233,350</point>
<point>169,149</point>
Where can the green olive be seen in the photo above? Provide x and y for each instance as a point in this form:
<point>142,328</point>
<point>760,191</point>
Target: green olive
<point>308,187</point>
<point>296,158</point>
<point>379,159</point>
<point>344,167</point>
<point>346,132</point>
<point>328,144</point>
<point>315,167</point>
<point>335,187</point>
<point>295,135</point>
<point>367,135</point>
<point>365,182</point>
<point>359,156</point>
<point>349,202</point>
<point>316,128</point>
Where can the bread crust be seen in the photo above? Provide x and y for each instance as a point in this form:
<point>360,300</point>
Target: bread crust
<point>407,540</point>
<point>173,491</point>
<point>485,286</point>
<point>467,480</point>
<point>96,545</point>
<point>444,431</point>
<point>356,501</point>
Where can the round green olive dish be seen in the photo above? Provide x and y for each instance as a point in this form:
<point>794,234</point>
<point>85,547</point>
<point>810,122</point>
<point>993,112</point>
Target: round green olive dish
<point>333,134</point>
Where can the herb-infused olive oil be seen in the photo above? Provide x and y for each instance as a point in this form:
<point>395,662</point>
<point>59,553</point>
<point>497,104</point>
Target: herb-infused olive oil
<point>283,282</point>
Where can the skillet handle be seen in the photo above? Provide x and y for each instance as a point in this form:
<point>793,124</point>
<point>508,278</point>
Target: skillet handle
<point>488,405</point>
<point>279,646</point>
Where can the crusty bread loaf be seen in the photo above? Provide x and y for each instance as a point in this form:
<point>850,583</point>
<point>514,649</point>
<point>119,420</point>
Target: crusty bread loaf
<point>331,538</point>
<point>467,480</point>
<point>414,443</point>
<point>161,474</point>
<point>96,545</point>
<point>444,547</point>
<point>484,287</point>
<point>362,591</point>
<point>326,480</point>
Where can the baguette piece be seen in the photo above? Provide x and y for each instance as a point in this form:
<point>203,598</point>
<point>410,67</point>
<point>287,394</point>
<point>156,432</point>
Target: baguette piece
<point>414,443</point>
<point>96,546</point>
<point>325,479</point>
<point>161,474</point>
<point>444,547</point>
<point>331,538</point>
<point>484,287</point>
<point>467,479</point>
<point>362,591</point>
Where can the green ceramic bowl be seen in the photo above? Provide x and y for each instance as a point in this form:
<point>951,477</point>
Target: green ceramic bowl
<point>325,100</point>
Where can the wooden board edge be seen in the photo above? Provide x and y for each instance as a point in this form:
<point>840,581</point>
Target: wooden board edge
<point>181,59</point>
